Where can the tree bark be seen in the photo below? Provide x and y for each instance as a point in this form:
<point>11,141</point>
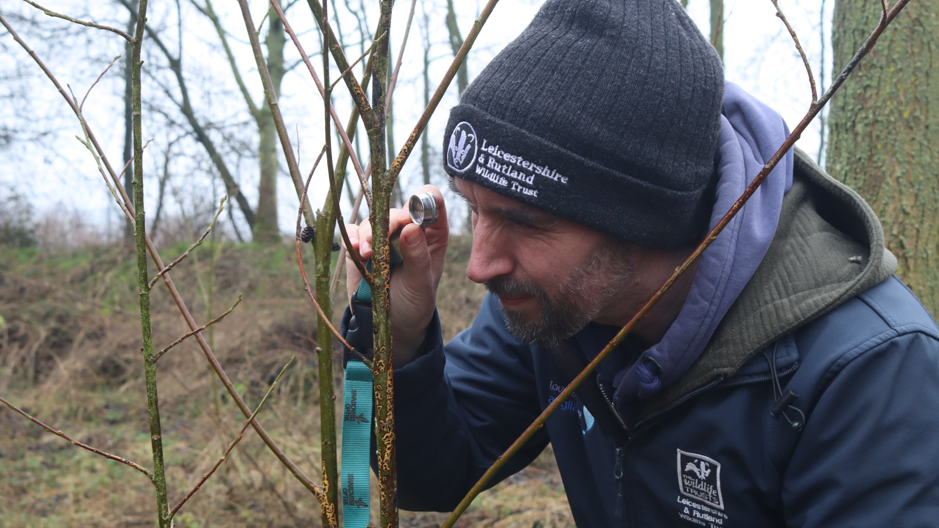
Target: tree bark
<point>266,230</point>
<point>884,132</point>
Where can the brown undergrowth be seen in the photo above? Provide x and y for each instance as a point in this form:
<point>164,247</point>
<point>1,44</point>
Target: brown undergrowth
<point>70,356</point>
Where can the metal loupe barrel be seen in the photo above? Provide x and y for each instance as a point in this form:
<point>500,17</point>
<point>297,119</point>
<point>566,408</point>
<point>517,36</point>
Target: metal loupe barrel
<point>423,208</point>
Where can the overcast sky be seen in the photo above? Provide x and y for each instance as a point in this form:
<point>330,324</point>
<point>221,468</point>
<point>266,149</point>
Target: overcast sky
<point>58,174</point>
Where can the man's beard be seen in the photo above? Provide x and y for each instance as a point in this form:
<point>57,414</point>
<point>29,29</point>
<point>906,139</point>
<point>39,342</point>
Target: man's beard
<point>580,298</point>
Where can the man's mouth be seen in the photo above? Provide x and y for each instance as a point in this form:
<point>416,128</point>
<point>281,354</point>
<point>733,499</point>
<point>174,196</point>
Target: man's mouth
<point>514,300</point>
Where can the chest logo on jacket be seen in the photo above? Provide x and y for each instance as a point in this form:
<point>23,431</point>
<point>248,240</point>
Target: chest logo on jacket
<point>699,477</point>
<point>572,404</point>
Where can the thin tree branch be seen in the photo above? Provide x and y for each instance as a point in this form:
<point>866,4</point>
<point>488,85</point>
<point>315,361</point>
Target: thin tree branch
<point>53,14</point>
<point>74,442</point>
<point>209,12</point>
<point>795,38</point>
<point>404,43</point>
<point>342,252</point>
<point>408,146</point>
<point>366,53</point>
<point>167,348</point>
<point>90,88</point>
<point>306,283</point>
<point>371,121</point>
<point>177,298</point>
<point>234,442</point>
<point>363,178</point>
<point>140,246</point>
<point>197,243</point>
<point>711,237</point>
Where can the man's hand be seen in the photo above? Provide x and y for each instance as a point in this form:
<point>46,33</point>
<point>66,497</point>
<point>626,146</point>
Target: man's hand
<point>414,283</point>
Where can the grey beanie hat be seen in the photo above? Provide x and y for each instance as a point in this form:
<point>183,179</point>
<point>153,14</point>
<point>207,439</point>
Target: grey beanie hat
<point>603,112</point>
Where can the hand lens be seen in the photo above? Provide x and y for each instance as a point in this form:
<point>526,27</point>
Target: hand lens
<point>423,209</point>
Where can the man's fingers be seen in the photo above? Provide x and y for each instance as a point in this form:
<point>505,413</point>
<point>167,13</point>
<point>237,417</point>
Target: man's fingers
<point>365,239</point>
<point>415,274</point>
<point>352,273</point>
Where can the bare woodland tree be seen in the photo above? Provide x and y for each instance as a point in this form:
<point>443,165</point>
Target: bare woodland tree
<point>265,226</point>
<point>717,26</point>
<point>378,184</point>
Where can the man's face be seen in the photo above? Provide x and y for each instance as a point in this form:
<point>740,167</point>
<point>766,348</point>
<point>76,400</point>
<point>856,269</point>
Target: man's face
<point>551,275</point>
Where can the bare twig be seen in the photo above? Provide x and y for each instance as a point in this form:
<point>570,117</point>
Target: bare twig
<point>371,121</point>
<point>306,283</point>
<point>197,243</point>
<point>234,442</point>
<point>131,160</point>
<point>90,88</point>
<point>805,60</point>
<point>363,178</point>
<point>171,287</point>
<point>711,236</point>
<point>74,442</point>
<point>408,146</point>
<point>53,14</point>
<point>367,53</point>
<point>404,43</point>
<point>167,348</point>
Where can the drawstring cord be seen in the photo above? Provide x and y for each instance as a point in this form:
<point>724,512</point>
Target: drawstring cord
<point>783,402</point>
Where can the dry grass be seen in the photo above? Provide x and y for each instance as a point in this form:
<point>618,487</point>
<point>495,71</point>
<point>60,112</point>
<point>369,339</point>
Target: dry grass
<point>70,355</point>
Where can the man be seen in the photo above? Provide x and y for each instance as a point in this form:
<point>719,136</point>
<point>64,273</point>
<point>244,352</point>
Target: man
<point>788,379</point>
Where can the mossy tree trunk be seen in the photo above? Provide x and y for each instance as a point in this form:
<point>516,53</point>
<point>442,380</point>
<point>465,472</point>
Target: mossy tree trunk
<point>266,230</point>
<point>884,132</point>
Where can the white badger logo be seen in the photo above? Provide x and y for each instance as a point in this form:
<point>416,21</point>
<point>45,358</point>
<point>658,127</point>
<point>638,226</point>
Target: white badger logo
<point>702,472</point>
<point>461,153</point>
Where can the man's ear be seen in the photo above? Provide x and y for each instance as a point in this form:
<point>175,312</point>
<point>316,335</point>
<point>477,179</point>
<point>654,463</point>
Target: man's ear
<point>451,183</point>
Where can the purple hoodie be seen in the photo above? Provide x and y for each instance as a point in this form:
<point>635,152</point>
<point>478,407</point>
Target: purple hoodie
<point>751,132</point>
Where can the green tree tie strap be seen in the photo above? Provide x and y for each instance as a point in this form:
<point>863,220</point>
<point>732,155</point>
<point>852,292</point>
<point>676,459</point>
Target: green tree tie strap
<point>356,439</point>
<point>357,410</point>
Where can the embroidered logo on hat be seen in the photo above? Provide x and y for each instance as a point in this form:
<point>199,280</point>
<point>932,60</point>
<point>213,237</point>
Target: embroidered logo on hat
<point>461,153</point>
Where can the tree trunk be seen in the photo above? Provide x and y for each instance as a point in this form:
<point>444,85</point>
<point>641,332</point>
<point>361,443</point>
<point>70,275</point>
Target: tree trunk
<point>456,41</point>
<point>717,27</point>
<point>266,230</point>
<point>129,126</point>
<point>884,132</point>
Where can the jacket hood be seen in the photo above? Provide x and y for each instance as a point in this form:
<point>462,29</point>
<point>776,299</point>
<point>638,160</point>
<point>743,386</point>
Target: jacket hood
<point>751,133</point>
<point>828,247</point>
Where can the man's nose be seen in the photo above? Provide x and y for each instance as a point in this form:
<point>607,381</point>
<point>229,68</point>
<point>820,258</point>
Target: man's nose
<point>491,257</point>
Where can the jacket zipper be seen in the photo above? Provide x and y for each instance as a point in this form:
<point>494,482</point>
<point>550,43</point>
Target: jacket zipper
<point>618,475</point>
<point>618,512</point>
<point>609,402</point>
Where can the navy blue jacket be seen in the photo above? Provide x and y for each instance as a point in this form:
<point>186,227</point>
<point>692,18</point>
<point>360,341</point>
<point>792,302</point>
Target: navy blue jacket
<point>852,341</point>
